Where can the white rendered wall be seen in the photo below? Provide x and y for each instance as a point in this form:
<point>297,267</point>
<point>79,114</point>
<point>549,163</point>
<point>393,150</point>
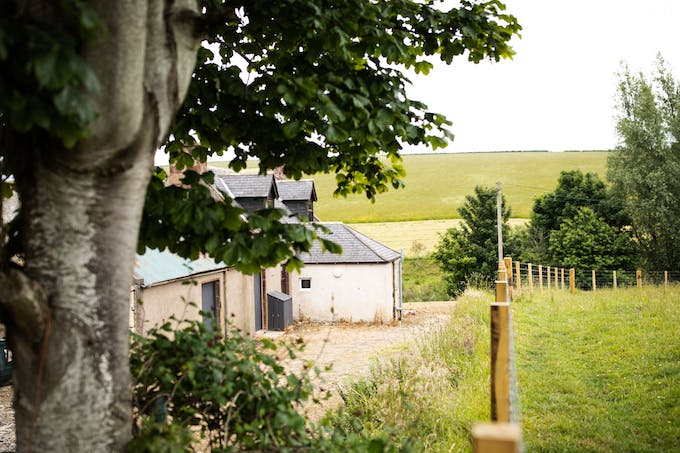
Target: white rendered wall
<point>345,292</point>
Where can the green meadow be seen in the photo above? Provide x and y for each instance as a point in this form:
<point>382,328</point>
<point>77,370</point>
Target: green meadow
<point>597,372</point>
<point>436,184</point>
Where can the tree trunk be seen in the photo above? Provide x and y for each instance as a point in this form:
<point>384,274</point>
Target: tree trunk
<point>81,235</point>
<point>80,211</point>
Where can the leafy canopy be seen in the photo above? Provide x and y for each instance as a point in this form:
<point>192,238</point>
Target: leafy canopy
<point>471,253</point>
<point>320,89</point>
<point>585,241</point>
<point>644,168</point>
<point>575,190</point>
<point>315,86</point>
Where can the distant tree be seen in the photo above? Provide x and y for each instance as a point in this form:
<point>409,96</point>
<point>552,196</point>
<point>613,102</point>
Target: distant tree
<point>574,190</point>
<point>471,253</point>
<point>586,241</point>
<point>644,169</point>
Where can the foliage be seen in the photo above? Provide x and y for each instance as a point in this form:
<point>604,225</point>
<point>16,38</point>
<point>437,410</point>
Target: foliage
<point>644,168</point>
<point>45,82</point>
<point>472,251</point>
<point>232,391</point>
<point>323,82</point>
<point>423,280</point>
<point>179,219</point>
<point>574,190</point>
<point>585,241</point>
<point>435,390</point>
<point>598,371</point>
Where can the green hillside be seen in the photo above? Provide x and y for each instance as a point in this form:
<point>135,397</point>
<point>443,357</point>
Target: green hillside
<point>436,184</point>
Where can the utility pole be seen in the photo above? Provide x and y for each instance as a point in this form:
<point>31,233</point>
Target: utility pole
<point>499,220</point>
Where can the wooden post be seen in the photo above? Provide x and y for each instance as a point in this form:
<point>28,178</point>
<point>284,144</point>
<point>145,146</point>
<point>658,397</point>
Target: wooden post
<point>540,278</point>
<point>562,275</point>
<point>496,438</point>
<point>531,279</point>
<point>508,273</point>
<point>572,280</point>
<point>665,278</point>
<point>614,279</point>
<point>638,277</point>
<point>500,355</point>
<point>518,278</point>
<point>557,282</point>
<point>594,281</point>
<point>548,277</point>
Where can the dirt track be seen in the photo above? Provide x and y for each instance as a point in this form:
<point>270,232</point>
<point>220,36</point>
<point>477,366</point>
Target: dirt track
<point>350,349</point>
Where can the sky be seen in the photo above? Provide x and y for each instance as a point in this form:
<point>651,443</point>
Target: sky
<point>558,92</point>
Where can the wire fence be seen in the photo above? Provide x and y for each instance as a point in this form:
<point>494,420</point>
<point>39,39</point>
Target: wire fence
<point>532,278</point>
<point>516,279</point>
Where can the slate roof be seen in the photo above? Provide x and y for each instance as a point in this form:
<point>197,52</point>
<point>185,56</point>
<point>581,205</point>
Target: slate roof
<point>290,190</point>
<point>249,186</point>
<point>156,266</point>
<point>356,248</point>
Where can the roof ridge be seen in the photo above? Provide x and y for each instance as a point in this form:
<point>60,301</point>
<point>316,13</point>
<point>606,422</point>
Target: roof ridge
<point>370,243</point>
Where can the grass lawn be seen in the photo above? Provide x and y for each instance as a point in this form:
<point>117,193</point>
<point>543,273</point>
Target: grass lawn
<point>597,372</point>
<point>600,372</point>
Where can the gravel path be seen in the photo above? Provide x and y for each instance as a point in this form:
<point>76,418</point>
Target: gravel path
<point>7,442</point>
<point>352,348</point>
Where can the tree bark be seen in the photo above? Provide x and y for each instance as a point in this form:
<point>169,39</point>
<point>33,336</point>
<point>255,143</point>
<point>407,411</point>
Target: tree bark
<point>81,210</point>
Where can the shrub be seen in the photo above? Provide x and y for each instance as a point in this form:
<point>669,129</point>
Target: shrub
<point>232,392</point>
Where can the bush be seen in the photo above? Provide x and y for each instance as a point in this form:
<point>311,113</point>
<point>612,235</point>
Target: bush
<point>230,391</point>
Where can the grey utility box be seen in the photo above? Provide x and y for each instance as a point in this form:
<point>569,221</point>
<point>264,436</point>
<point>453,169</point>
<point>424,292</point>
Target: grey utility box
<point>280,310</point>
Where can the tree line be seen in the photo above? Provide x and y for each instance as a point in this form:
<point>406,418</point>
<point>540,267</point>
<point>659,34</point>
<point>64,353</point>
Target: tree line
<point>630,221</point>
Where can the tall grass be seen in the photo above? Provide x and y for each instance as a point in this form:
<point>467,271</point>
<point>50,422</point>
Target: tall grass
<point>600,371</point>
<point>423,280</point>
<point>437,389</point>
<point>597,371</point>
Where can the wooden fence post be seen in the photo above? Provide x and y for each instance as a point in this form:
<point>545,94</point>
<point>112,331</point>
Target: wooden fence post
<point>614,279</point>
<point>572,280</point>
<point>518,278</point>
<point>496,438</point>
<point>557,282</point>
<point>562,275</point>
<point>540,278</point>
<point>500,355</point>
<point>531,278</point>
<point>508,272</point>
<point>594,281</point>
<point>665,278</point>
<point>548,277</point>
<point>638,277</point>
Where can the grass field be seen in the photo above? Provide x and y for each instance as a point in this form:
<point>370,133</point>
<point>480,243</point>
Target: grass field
<point>410,236</point>
<point>597,372</point>
<point>600,372</point>
<point>436,184</point>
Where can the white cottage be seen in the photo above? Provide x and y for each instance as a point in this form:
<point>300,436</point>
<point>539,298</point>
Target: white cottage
<point>361,284</point>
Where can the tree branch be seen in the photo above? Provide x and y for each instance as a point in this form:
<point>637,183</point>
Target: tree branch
<point>24,302</point>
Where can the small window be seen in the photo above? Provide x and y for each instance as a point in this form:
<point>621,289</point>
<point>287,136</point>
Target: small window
<point>305,283</point>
